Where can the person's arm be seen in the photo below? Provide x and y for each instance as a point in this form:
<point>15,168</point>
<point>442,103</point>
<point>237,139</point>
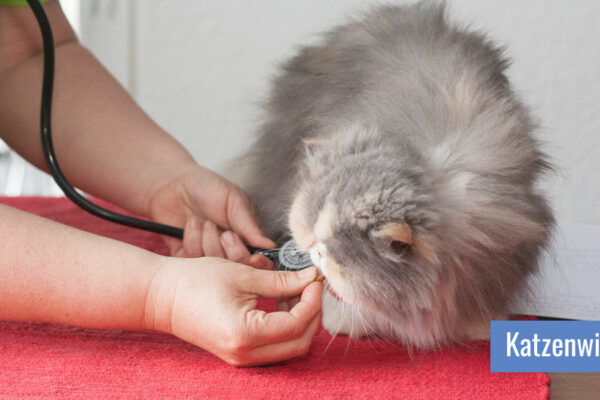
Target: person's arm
<point>100,135</point>
<point>105,144</point>
<point>53,273</point>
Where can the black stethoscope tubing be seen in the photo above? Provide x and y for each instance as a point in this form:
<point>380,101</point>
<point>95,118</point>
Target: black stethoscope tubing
<point>50,156</point>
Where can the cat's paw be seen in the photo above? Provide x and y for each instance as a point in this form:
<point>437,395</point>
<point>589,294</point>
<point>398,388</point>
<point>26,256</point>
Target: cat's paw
<point>341,318</point>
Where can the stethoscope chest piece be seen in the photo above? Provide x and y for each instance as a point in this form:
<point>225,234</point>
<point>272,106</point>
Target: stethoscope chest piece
<point>287,257</point>
<point>292,259</point>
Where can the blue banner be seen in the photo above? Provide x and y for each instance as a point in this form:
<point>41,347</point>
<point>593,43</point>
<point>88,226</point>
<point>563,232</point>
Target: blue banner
<point>545,346</point>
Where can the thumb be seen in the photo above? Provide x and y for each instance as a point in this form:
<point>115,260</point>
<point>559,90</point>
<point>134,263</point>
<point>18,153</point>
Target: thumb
<point>243,223</point>
<point>276,284</point>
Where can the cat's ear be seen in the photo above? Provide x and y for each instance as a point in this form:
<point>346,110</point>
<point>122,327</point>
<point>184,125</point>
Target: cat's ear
<point>396,232</point>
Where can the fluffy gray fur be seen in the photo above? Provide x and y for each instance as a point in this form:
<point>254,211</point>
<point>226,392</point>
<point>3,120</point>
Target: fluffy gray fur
<point>402,117</point>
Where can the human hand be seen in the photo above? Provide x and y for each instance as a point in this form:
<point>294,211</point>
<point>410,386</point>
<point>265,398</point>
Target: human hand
<point>203,202</point>
<point>211,302</point>
<point>205,240</point>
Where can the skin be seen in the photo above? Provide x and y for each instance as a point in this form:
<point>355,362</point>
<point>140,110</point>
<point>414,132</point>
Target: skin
<point>101,283</point>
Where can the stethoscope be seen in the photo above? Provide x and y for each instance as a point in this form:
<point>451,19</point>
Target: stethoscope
<point>285,257</point>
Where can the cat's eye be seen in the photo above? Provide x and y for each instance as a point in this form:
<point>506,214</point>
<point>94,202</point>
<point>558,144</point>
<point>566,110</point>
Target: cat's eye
<point>399,248</point>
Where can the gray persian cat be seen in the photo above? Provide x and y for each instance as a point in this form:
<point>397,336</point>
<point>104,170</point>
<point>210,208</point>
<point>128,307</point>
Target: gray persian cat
<point>397,153</point>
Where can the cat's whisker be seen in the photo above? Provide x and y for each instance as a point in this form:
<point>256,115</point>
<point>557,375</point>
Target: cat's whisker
<point>366,329</point>
<point>333,335</point>
<point>327,347</point>
<point>350,337</point>
<point>379,337</point>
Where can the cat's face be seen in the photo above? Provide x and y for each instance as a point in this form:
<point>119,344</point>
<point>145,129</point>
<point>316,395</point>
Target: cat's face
<point>368,223</point>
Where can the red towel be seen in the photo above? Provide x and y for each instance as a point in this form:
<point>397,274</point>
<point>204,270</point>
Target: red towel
<point>55,361</point>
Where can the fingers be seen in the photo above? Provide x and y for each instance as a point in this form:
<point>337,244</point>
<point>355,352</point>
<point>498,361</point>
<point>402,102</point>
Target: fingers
<point>276,284</point>
<point>287,304</point>
<point>205,240</point>
<point>211,240</point>
<point>272,353</point>
<point>200,240</point>
<point>276,327</point>
<point>192,238</point>
<point>293,301</point>
<point>309,302</point>
<point>272,337</point>
<point>242,222</point>
<point>261,262</point>
<point>258,328</point>
<point>234,249</point>
<point>175,246</point>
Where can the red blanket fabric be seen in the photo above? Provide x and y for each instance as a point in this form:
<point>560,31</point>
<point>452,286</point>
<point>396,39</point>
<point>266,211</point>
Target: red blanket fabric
<point>56,361</point>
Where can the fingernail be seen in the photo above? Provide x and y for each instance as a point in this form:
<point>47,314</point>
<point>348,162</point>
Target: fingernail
<point>193,223</point>
<point>307,273</point>
<point>229,239</point>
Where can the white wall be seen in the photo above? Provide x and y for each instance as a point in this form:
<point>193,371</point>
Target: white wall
<point>205,65</point>
<point>201,67</point>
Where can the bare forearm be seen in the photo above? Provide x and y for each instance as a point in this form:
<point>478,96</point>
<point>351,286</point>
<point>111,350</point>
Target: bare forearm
<point>105,143</point>
<point>54,273</point>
